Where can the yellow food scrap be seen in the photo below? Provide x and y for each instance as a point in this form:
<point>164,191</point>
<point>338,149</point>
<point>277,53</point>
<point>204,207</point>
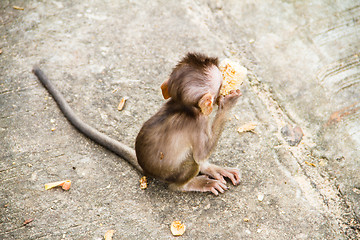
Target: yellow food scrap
<point>247,127</point>
<point>177,228</point>
<point>18,8</point>
<point>143,182</point>
<point>63,184</point>
<point>310,164</point>
<point>109,234</point>
<point>122,103</point>
<point>233,76</point>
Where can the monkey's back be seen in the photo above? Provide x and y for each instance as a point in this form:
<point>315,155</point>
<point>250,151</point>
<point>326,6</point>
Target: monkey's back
<point>164,143</point>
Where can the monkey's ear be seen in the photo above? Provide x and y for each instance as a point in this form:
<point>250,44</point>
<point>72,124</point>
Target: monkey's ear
<point>165,90</point>
<point>206,104</point>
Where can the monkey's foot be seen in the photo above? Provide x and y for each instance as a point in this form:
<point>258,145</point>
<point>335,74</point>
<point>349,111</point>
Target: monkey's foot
<point>202,183</point>
<point>219,173</point>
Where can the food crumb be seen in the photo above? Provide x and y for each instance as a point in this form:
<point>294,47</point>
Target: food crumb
<point>109,234</point>
<point>247,127</point>
<point>18,8</point>
<point>66,184</point>
<point>310,164</point>
<point>143,183</point>
<point>177,228</point>
<point>122,103</point>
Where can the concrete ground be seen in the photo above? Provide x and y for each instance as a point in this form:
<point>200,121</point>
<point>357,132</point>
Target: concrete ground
<point>304,70</point>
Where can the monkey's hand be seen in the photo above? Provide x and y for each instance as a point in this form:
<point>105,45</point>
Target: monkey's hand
<point>219,173</point>
<point>228,101</point>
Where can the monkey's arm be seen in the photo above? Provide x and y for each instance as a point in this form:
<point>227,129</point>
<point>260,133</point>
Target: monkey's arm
<point>225,104</point>
<point>117,147</point>
<point>206,144</point>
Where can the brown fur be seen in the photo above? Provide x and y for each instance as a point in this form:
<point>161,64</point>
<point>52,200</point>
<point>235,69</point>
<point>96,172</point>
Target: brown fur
<point>175,143</point>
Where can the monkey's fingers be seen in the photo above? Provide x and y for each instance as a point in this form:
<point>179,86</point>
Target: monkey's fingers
<point>234,94</point>
<point>215,186</point>
<point>238,177</point>
<point>229,100</point>
<point>203,183</point>
<point>218,176</point>
<point>219,173</point>
<point>220,99</point>
<point>218,187</point>
<point>234,180</point>
<point>233,174</point>
<point>214,172</point>
<point>214,191</point>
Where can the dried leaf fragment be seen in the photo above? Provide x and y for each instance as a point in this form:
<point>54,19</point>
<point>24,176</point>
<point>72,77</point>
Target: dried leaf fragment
<point>66,184</point>
<point>356,190</point>
<point>337,116</point>
<point>109,234</point>
<point>27,221</point>
<point>177,228</point>
<point>143,183</point>
<point>310,164</point>
<point>247,127</point>
<point>122,103</point>
<point>18,8</point>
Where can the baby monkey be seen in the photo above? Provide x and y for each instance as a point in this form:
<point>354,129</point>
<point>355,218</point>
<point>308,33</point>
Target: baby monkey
<point>175,144</point>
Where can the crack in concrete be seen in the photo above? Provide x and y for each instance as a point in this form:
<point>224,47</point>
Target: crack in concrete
<point>331,196</point>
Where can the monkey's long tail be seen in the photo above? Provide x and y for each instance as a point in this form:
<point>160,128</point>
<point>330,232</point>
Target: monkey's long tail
<point>117,147</point>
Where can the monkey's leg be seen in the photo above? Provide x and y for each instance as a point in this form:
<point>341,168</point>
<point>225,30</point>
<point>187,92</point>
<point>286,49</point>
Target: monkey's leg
<point>219,173</point>
<point>201,183</point>
<point>186,179</point>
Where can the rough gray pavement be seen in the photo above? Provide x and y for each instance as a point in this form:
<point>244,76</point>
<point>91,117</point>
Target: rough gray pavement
<point>304,70</point>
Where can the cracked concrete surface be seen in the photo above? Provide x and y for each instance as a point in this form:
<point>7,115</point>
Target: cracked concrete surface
<point>304,69</point>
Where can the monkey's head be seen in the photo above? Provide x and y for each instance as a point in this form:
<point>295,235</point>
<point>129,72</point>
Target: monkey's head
<point>195,81</point>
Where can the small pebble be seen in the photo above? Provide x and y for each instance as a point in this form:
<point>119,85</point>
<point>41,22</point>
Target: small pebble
<point>260,197</point>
